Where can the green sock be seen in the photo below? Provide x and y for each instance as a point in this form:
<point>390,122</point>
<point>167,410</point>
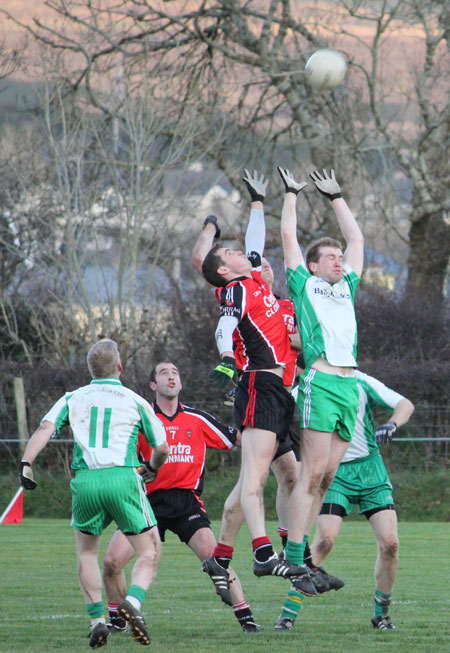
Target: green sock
<point>292,605</point>
<point>137,592</point>
<point>294,552</point>
<point>382,603</point>
<point>95,610</point>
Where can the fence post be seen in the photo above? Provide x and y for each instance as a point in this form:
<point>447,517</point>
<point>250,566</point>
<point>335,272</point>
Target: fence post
<point>22,425</point>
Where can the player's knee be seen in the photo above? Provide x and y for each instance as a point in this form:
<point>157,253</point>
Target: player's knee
<point>111,565</point>
<point>315,481</point>
<point>287,483</point>
<point>325,544</point>
<point>389,547</point>
<point>326,481</point>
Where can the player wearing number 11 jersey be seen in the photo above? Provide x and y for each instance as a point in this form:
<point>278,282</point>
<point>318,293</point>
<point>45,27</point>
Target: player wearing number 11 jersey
<point>106,418</point>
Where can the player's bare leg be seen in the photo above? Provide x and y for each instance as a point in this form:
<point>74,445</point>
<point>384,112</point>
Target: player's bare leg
<point>90,579</point>
<point>327,531</point>
<point>258,450</point>
<point>147,548</point>
<point>285,469</point>
<point>118,553</point>
<point>203,544</point>
<point>384,525</point>
<point>233,515</point>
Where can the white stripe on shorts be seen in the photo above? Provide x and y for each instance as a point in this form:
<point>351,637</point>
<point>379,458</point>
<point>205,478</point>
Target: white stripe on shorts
<point>145,503</point>
<point>307,401</point>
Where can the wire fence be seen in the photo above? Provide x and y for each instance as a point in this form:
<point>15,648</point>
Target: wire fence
<point>422,444</point>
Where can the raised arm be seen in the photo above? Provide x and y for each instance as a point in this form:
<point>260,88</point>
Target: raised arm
<point>354,254</point>
<point>205,241</point>
<point>255,236</point>
<point>293,256</point>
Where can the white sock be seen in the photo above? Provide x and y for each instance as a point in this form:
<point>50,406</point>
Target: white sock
<point>99,620</point>
<point>134,602</point>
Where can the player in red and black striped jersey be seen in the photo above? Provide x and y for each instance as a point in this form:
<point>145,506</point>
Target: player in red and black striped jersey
<point>174,494</point>
<point>263,407</point>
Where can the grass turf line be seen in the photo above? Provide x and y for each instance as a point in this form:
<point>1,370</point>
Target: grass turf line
<point>43,609</point>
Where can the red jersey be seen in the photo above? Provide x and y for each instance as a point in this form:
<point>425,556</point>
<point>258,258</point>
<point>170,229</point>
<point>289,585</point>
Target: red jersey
<point>287,309</point>
<point>189,432</point>
<point>261,331</point>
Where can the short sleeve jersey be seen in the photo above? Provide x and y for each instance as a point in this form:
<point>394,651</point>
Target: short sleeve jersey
<point>189,433</point>
<point>325,316</point>
<point>261,328</point>
<point>372,393</point>
<point>106,419</point>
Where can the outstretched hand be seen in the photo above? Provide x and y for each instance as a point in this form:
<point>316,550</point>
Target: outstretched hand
<point>256,185</point>
<point>326,183</point>
<point>290,185</point>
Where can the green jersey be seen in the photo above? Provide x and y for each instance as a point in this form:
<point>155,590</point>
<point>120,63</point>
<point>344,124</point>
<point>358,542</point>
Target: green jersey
<point>325,316</point>
<point>372,393</point>
<point>105,418</point>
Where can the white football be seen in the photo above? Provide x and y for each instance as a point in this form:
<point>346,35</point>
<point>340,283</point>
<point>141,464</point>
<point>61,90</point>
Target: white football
<point>325,69</point>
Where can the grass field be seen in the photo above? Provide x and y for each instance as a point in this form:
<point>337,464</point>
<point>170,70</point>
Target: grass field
<point>42,607</point>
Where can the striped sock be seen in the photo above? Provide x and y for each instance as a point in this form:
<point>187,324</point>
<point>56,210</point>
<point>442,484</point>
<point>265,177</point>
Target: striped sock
<point>294,552</point>
<point>262,548</point>
<point>136,595</point>
<point>382,603</point>
<point>292,605</point>
<point>243,613</point>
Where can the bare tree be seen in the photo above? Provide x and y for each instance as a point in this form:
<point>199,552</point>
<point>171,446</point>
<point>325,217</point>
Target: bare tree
<point>386,129</point>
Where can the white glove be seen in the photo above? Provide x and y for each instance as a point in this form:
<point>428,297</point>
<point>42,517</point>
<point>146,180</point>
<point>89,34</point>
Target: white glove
<point>290,185</point>
<point>147,472</point>
<point>256,184</point>
<point>326,184</point>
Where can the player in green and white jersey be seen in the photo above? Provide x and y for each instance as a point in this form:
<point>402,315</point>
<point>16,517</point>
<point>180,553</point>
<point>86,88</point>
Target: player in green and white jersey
<point>105,418</point>
<point>322,289</point>
<point>362,480</point>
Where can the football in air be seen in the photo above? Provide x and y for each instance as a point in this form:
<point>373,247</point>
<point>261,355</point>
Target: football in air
<point>325,69</point>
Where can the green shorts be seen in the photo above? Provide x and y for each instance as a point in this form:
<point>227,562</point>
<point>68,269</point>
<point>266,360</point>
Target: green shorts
<point>328,403</point>
<point>100,496</point>
<point>363,482</point>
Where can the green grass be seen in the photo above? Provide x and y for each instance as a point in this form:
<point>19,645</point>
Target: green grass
<point>42,606</point>
<point>419,495</point>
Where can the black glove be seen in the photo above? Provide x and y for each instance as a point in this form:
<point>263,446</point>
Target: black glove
<point>385,432</point>
<point>256,185</point>
<point>26,476</point>
<point>147,472</point>
<point>225,372</point>
<point>290,185</point>
<point>213,220</point>
<point>326,184</point>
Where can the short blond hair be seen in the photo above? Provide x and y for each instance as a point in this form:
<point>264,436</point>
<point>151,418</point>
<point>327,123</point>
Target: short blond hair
<point>103,359</point>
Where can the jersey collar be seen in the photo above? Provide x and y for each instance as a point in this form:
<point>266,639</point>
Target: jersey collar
<point>110,380</point>
<point>157,409</point>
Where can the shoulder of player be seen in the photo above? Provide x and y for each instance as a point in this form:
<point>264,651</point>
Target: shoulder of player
<point>198,413</point>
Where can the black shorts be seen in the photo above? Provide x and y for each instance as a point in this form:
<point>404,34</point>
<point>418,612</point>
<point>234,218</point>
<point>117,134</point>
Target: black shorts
<point>262,402</point>
<point>290,443</point>
<point>179,511</point>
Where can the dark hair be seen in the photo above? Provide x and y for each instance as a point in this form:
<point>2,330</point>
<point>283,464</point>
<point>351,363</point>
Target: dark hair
<point>312,253</point>
<point>152,377</point>
<point>211,263</point>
